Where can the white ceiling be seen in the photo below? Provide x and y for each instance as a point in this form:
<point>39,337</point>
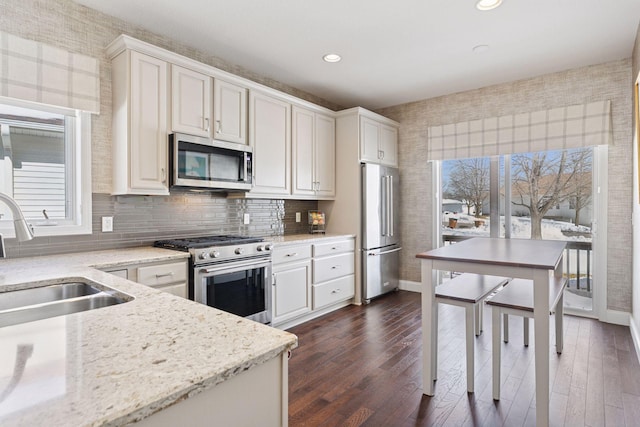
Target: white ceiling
<point>393,51</point>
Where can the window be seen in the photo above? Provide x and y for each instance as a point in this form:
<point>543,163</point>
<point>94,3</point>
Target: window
<point>45,167</point>
<point>543,195</point>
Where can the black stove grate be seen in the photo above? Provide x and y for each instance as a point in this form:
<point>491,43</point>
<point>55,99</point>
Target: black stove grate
<point>205,242</point>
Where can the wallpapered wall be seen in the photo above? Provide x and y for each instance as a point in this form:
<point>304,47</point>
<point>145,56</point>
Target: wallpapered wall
<point>594,83</point>
<point>636,202</point>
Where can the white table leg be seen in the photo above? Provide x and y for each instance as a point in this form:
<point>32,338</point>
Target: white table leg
<point>505,332</point>
<point>495,350</point>
<point>470,313</point>
<point>541,319</point>
<point>559,324</point>
<point>525,321</point>
<point>428,333</point>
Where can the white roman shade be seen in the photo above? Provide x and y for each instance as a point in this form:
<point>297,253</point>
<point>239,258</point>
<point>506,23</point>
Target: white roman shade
<point>38,72</point>
<point>558,128</point>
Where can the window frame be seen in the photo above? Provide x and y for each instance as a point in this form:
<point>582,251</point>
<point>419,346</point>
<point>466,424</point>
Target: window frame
<point>78,155</point>
<point>599,226</point>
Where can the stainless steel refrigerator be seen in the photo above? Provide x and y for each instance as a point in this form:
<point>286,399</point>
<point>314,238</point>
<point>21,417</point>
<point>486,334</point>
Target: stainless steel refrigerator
<point>380,230</point>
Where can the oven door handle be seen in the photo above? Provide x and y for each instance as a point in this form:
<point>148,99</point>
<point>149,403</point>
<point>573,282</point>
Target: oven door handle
<point>237,266</point>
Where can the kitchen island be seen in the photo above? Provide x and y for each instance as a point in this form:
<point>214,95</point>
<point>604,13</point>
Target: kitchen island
<point>152,359</point>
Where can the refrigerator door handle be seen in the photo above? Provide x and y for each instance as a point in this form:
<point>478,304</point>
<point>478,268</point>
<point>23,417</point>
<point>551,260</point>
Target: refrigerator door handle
<point>385,252</point>
<point>390,218</point>
<point>384,208</point>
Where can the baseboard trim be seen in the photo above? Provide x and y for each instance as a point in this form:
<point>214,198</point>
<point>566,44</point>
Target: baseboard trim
<point>635,335</point>
<point>408,285</point>
<point>616,317</point>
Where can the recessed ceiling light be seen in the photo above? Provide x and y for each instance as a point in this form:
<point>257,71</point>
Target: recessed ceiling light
<point>488,4</point>
<point>332,57</point>
<point>481,48</point>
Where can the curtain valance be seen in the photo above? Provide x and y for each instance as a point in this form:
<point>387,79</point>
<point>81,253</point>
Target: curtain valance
<point>35,71</point>
<point>558,128</point>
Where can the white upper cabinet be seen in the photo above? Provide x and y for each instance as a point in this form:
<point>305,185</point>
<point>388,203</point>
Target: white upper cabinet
<point>389,145</point>
<point>140,95</point>
<point>270,137</point>
<point>313,160</point>
<point>229,112</point>
<point>190,102</point>
<point>378,142</point>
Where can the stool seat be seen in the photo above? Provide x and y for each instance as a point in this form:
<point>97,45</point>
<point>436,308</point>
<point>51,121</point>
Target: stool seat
<point>519,294</point>
<point>470,288</point>
<point>469,291</point>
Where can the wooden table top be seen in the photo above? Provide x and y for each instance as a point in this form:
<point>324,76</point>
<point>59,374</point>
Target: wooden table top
<point>524,253</point>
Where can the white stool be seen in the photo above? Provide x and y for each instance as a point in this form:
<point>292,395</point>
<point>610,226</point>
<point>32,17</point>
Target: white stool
<point>468,291</point>
<point>517,299</point>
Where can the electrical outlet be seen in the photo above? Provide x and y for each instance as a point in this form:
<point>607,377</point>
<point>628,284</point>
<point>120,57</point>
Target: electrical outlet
<point>246,219</point>
<point>107,224</point>
<point>298,219</point>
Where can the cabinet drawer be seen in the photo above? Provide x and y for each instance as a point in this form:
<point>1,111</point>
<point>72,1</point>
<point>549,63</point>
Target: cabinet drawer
<point>290,253</point>
<point>330,248</point>
<point>163,274</point>
<point>333,291</point>
<point>179,289</point>
<point>332,267</point>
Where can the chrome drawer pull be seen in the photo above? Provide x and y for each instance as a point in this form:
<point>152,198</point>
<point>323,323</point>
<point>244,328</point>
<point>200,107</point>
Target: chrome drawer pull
<point>158,276</point>
<point>293,254</point>
<point>335,291</point>
<point>335,266</point>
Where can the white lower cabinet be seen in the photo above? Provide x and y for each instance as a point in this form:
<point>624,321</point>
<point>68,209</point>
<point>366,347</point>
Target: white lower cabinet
<point>311,279</point>
<point>291,282</point>
<point>333,272</point>
<point>169,277</point>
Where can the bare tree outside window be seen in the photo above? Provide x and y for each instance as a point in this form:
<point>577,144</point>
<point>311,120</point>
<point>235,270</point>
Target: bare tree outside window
<point>545,180</point>
<point>469,183</point>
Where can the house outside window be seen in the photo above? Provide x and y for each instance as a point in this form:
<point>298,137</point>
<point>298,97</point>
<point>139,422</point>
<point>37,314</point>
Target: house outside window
<point>45,167</point>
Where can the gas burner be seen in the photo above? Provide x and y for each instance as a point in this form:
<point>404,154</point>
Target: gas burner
<point>205,242</point>
<point>216,249</point>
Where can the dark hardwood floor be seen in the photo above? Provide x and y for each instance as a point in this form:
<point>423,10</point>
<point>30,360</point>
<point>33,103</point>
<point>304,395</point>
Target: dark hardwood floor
<point>361,366</point>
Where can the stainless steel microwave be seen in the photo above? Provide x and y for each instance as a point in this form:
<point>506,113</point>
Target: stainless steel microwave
<point>198,162</point>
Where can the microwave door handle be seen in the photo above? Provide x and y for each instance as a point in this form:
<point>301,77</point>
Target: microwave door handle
<point>246,161</point>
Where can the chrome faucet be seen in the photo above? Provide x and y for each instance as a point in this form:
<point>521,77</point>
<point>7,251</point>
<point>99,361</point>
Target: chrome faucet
<point>23,230</point>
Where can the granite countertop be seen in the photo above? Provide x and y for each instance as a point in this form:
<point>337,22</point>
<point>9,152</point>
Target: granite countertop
<point>122,363</point>
<point>307,238</point>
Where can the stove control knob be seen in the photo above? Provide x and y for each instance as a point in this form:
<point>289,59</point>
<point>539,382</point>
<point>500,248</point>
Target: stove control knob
<point>239,251</point>
<point>260,248</point>
<point>203,255</point>
<point>214,254</point>
<point>268,247</point>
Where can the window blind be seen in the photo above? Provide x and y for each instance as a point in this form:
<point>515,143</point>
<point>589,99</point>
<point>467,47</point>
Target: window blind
<point>35,71</point>
<point>572,126</point>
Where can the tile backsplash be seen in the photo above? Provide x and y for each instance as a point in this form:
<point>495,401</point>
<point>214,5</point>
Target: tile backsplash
<point>140,220</point>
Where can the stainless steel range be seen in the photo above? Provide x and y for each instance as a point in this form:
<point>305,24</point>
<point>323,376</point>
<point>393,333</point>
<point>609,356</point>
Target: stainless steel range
<point>230,273</point>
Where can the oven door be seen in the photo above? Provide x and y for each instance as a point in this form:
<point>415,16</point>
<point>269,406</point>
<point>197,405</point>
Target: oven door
<point>240,287</point>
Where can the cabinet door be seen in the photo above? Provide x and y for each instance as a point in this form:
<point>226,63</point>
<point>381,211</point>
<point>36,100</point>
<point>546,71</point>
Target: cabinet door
<point>190,101</point>
<point>148,131</point>
<point>325,156</point>
<point>389,145</point>
<point>270,137</point>
<point>369,140</point>
<point>292,291</point>
<point>304,182</point>
<point>229,112</point>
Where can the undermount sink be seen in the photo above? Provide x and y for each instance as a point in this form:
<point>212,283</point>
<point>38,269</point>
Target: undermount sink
<point>28,305</point>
